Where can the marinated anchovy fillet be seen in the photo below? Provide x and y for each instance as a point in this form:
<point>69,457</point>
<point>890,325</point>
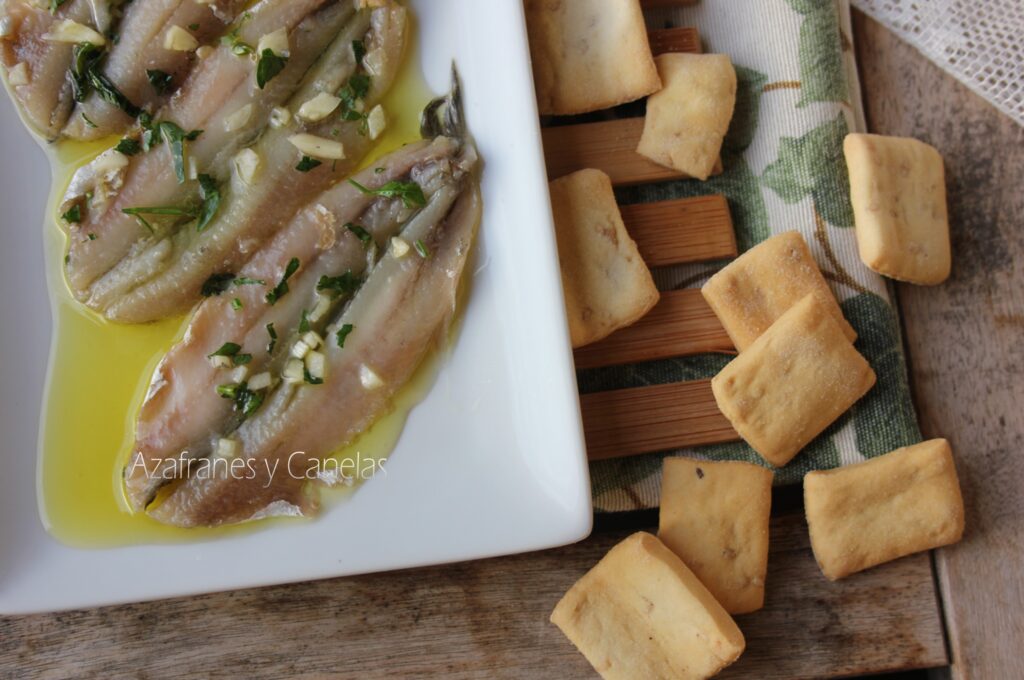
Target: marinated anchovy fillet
<point>39,42</point>
<point>191,132</point>
<point>146,64</point>
<point>330,130</point>
<point>347,378</point>
<point>338,236</point>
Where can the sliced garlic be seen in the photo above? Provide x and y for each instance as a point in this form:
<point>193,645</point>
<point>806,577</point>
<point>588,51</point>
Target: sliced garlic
<point>399,247</point>
<point>300,349</point>
<point>319,107</point>
<point>260,381</point>
<point>193,167</point>
<point>376,121</point>
<point>238,119</point>
<point>276,42</point>
<point>279,117</point>
<point>323,305</point>
<point>218,361</point>
<point>369,379</point>
<point>247,164</point>
<point>313,339</point>
<point>178,39</point>
<point>318,147</point>
<point>205,51</point>
<point>316,364</point>
<point>227,448</point>
<point>19,74</point>
<point>68,31</point>
<point>240,374</point>
<point>293,372</point>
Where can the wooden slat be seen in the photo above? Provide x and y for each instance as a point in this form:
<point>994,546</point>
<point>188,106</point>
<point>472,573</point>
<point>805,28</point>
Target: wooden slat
<point>485,619</point>
<point>680,324</point>
<point>681,231</point>
<point>655,418</point>
<point>685,39</point>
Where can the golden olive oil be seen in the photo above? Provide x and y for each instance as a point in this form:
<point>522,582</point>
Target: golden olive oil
<point>99,372</point>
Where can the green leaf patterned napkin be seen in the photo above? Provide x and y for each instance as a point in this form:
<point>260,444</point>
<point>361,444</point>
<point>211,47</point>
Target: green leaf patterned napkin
<point>798,97</point>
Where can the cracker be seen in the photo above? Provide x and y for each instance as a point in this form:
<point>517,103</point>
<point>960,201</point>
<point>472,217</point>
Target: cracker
<point>589,55</point>
<point>792,382</point>
<point>898,191</point>
<point>687,119</point>
<point>885,508</point>
<point>714,515</point>
<point>640,613</point>
<point>606,283</point>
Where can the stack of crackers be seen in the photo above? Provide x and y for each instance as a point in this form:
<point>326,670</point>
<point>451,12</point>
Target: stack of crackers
<point>660,607</point>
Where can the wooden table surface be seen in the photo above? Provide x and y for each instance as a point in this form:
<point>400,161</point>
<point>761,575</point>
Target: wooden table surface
<point>489,619</point>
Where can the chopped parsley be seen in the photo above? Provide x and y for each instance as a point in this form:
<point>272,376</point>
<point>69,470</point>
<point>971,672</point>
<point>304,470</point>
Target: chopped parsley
<point>410,192</point>
<point>217,284</point>
<point>358,51</point>
<point>281,289</point>
<point>360,232</point>
<point>87,76</point>
<point>343,333</point>
<point>345,284</point>
<point>153,132</point>
<point>245,400</point>
<point>55,5</point>
<point>160,80</point>
<point>273,338</point>
<point>228,349</point>
<point>73,214</point>
<point>304,323</point>
<point>236,304</point>
<point>138,213</point>
<point>421,248</point>
<point>307,164</point>
<point>210,194</point>
<point>232,40</point>
<point>269,65</point>
<point>128,146</point>
<point>246,281</point>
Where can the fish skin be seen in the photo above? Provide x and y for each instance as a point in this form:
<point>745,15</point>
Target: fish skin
<point>47,100</point>
<point>140,47</point>
<point>182,414</point>
<point>215,88</point>
<point>402,310</point>
<point>251,214</point>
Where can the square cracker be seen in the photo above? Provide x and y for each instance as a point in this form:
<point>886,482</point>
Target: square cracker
<point>589,55</point>
<point>687,119</point>
<point>891,506</point>
<point>714,515</point>
<point>606,283</point>
<point>793,382</point>
<point>754,290</point>
<point>898,191</point>
<point>641,613</point>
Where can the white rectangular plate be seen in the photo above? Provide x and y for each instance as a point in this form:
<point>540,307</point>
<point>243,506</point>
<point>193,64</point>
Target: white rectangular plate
<point>491,463</point>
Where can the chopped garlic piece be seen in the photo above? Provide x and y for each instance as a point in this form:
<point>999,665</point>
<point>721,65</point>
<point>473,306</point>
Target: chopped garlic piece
<point>205,52</point>
<point>218,361</point>
<point>399,247</point>
<point>318,147</point>
<point>369,378</point>
<point>68,31</point>
<point>293,372</point>
<point>178,39</point>
<point>376,121</point>
<point>316,364</point>
<point>260,381</point>
<point>319,107</point>
<point>323,305</point>
<point>276,42</point>
<point>247,164</point>
<point>313,339</point>
<point>238,119</point>
<point>240,374</point>
<point>19,74</point>
<point>193,167</point>
<point>227,448</point>
<point>279,117</point>
<point>300,349</point>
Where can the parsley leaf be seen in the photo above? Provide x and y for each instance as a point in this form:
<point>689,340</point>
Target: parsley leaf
<point>273,338</point>
<point>160,80</point>
<point>236,304</point>
<point>345,284</point>
<point>410,192</point>
<point>128,146</point>
<point>343,333</point>
<point>245,400</point>
<point>307,164</point>
<point>421,248</point>
<point>360,232</point>
<point>304,323</point>
<point>210,194</point>
<point>73,215</point>
<point>269,65</point>
<point>281,289</point>
<point>228,349</point>
<point>217,284</point>
<point>358,51</point>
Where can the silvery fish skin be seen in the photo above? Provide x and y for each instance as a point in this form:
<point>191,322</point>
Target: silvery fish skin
<point>218,87</point>
<point>402,310</point>
<point>47,99</point>
<point>139,48</point>
<point>164,277</point>
<point>183,415</point>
